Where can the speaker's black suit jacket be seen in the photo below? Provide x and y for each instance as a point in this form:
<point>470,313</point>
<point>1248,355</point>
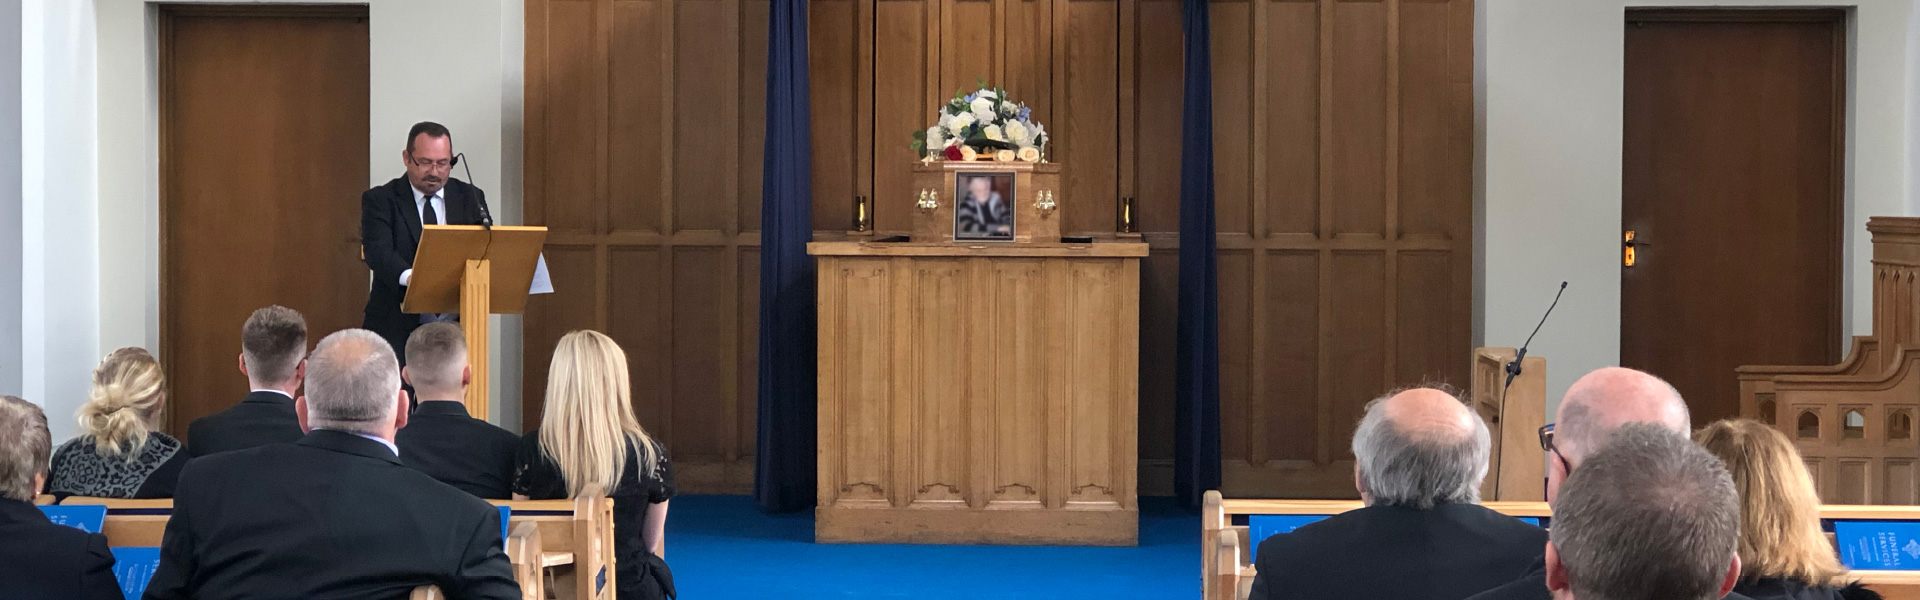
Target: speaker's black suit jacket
<point>40,559</point>
<point>449,445</point>
<point>259,419</point>
<point>389,235</point>
<point>1446,553</point>
<point>334,515</point>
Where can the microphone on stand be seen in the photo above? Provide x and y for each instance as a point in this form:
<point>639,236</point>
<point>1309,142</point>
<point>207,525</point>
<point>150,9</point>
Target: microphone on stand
<point>1513,368</point>
<point>486,217</point>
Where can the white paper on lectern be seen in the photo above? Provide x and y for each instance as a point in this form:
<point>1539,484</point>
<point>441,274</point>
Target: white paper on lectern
<point>541,284</point>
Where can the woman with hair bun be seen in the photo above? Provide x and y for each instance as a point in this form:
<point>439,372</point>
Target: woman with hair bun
<point>118,454</point>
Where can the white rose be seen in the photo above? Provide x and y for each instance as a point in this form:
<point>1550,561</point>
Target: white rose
<point>959,122</point>
<point>1030,154</point>
<point>993,133</point>
<point>988,94</point>
<point>982,105</point>
<point>1008,109</point>
<point>1003,156</point>
<point>936,137</point>
<point>1018,134</point>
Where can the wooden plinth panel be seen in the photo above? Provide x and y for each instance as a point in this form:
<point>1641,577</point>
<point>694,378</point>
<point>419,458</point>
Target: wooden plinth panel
<point>977,397</point>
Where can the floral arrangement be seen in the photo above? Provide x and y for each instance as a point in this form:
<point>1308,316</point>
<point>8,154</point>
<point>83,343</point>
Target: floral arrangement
<point>983,125</point>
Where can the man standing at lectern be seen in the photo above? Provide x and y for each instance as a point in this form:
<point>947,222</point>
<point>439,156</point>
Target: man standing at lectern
<point>390,220</point>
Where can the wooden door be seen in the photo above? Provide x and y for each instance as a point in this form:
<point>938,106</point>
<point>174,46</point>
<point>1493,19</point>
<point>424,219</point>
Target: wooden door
<point>1732,172</point>
<point>1343,134</point>
<point>263,134</point>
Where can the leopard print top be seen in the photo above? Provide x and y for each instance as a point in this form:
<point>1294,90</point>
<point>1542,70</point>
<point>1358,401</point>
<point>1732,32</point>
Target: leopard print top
<point>79,470</point>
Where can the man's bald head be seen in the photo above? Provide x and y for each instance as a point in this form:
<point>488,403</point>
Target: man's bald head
<point>1604,400</point>
<point>1420,447</point>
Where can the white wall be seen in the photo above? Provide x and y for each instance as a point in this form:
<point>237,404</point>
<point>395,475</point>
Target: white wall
<point>91,242</point>
<point>59,225</point>
<point>1550,78</point>
<point>10,45</point>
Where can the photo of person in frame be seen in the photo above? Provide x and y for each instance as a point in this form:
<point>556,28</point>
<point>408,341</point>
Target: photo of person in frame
<point>985,209</point>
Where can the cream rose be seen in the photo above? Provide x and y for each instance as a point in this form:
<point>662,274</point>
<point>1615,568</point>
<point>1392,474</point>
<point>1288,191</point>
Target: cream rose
<point>993,133</point>
<point>967,153</point>
<point>1018,134</point>
<point>1030,154</point>
<point>1003,156</point>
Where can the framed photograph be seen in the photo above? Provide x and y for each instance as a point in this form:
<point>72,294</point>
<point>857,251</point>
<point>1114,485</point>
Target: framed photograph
<point>983,206</point>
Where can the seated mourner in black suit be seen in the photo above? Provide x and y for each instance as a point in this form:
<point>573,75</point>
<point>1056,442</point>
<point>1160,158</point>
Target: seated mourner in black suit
<point>1650,516</point>
<point>334,515</point>
<point>273,356</point>
<point>39,559</point>
<point>1594,407</point>
<point>1421,456</point>
<point>441,439</point>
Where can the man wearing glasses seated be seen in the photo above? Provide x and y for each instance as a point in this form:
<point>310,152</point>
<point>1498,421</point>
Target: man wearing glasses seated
<point>390,219</point>
<point>1593,409</point>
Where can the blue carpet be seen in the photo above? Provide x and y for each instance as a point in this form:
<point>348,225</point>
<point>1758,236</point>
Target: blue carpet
<point>724,547</point>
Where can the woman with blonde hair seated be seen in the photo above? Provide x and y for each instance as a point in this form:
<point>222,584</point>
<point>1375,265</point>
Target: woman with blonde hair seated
<point>118,454</point>
<point>1783,553</point>
<point>590,443</point>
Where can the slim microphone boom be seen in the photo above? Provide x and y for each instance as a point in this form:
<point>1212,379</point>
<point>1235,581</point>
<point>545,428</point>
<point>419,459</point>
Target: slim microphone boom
<point>486,217</point>
<point>1513,368</point>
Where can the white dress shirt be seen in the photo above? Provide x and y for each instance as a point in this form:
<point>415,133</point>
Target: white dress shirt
<point>420,200</point>
<point>289,396</point>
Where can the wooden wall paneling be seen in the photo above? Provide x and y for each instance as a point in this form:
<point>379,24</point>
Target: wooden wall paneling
<point>1150,173</point>
<point>972,38</point>
<point>655,222</point>
<point>1348,259</point>
<point>906,86</point>
<point>840,72</point>
<point>1084,128</point>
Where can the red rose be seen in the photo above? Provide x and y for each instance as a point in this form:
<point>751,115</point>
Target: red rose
<point>953,152</point>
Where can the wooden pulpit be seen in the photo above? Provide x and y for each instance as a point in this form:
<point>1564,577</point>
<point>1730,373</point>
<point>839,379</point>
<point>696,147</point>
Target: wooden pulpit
<point>979,391</point>
<point>474,272</point>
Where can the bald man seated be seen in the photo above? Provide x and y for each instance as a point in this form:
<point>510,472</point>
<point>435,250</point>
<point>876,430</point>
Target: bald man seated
<point>1420,458</point>
<point>1592,411</point>
<point>334,515</point>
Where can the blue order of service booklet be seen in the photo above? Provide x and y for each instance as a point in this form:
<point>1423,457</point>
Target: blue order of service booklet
<point>504,513</point>
<point>87,517</point>
<point>134,568</point>
<point>1878,545</point>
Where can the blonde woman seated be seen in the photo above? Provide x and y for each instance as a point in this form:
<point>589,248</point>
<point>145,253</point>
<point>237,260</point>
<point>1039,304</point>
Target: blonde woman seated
<point>589,437</point>
<point>118,454</point>
<point>1783,553</point>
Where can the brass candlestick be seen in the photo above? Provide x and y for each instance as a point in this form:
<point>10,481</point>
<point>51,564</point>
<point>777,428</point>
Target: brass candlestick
<point>1123,216</point>
<point>862,214</point>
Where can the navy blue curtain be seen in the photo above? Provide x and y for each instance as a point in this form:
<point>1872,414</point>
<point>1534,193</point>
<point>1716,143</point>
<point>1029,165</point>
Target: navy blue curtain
<point>1196,466</point>
<point>783,479</point>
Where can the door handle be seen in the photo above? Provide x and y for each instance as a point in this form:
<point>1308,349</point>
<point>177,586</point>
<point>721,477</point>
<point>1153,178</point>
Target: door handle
<point>1630,241</point>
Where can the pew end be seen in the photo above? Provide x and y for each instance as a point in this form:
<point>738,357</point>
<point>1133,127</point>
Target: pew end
<point>523,550</point>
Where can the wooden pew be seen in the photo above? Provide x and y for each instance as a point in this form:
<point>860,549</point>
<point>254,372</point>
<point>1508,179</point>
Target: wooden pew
<point>1854,422</point>
<point>549,539</point>
<point>1227,571</point>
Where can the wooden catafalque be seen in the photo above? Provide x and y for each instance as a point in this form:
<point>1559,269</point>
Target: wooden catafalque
<point>979,390</point>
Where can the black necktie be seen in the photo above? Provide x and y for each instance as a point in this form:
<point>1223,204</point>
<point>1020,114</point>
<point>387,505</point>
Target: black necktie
<point>427,215</point>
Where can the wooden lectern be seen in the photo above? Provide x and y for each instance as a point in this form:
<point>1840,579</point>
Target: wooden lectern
<point>474,271</point>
